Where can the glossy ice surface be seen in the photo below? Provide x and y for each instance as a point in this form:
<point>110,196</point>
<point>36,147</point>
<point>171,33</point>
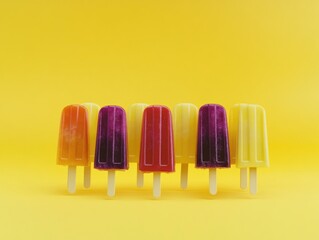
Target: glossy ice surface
<point>135,117</point>
<point>157,146</point>
<point>185,129</point>
<point>111,139</point>
<point>248,142</point>
<point>212,137</point>
<point>93,112</point>
<point>73,149</point>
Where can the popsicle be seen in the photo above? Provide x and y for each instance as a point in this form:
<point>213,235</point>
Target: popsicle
<point>93,111</point>
<point>185,129</point>
<point>135,116</point>
<point>212,142</point>
<point>111,143</point>
<point>248,142</point>
<point>157,144</point>
<point>73,148</point>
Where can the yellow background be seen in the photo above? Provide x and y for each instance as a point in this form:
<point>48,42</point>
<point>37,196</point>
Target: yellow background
<point>55,53</point>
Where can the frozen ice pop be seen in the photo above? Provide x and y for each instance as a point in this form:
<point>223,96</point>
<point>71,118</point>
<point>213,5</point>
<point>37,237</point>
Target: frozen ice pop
<point>73,148</point>
<point>111,143</point>
<point>248,141</point>
<point>93,111</point>
<point>157,144</point>
<point>185,129</point>
<point>212,141</point>
<point>135,116</point>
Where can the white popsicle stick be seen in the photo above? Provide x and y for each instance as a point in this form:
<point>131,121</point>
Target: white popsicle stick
<point>111,183</point>
<point>184,175</point>
<point>212,181</point>
<point>253,180</point>
<point>71,179</point>
<point>139,178</point>
<point>87,177</point>
<point>243,178</point>
<point>157,184</point>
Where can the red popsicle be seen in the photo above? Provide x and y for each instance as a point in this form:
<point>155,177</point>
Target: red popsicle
<point>157,145</point>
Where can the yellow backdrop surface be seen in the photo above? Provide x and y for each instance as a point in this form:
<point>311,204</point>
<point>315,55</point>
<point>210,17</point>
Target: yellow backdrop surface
<point>55,53</point>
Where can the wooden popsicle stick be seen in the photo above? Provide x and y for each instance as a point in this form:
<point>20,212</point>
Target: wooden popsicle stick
<point>157,184</point>
<point>243,178</point>
<point>87,177</point>
<point>253,180</point>
<point>212,181</point>
<point>139,178</point>
<point>111,183</point>
<point>184,175</point>
<point>71,179</point>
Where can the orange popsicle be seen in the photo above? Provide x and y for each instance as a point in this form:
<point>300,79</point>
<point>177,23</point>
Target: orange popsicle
<point>73,148</point>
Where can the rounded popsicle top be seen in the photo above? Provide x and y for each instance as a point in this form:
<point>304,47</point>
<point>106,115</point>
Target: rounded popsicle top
<point>245,105</point>
<point>190,105</point>
<point>212,105</point>
<point>156,106</point>
<point>112,107</point>
<point>73,147</point>
<point>89,105</point>
<point>138,105</point>
<point>212,137</point>
<point>111,139</point>
<point>157,144</point>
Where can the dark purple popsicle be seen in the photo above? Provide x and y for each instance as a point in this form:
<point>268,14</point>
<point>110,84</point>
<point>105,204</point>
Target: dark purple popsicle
<point>111,139</point>
<point>212,137</point>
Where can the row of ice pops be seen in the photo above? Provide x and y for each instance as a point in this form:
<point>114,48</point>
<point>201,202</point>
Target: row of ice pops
<point>151,140</point>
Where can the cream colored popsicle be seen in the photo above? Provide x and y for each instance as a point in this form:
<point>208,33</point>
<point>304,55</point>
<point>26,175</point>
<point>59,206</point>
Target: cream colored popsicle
<point>248,141</point>
<point>185,135</point>
<point>93,112</point>
<point>135,117</point>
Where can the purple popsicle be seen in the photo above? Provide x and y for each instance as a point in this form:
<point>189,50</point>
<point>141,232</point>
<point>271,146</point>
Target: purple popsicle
<point>111,143</point>
<point>212,141</point>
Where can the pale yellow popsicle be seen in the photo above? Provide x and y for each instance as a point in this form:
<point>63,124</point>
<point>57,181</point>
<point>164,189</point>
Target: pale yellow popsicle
<point>93,112</point>
<point>248,141</point>
<point>185,137</point>
<point>135,117</point>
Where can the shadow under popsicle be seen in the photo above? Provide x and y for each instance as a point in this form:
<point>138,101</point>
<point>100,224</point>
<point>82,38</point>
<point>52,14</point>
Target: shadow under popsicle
<point>131,192</point>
